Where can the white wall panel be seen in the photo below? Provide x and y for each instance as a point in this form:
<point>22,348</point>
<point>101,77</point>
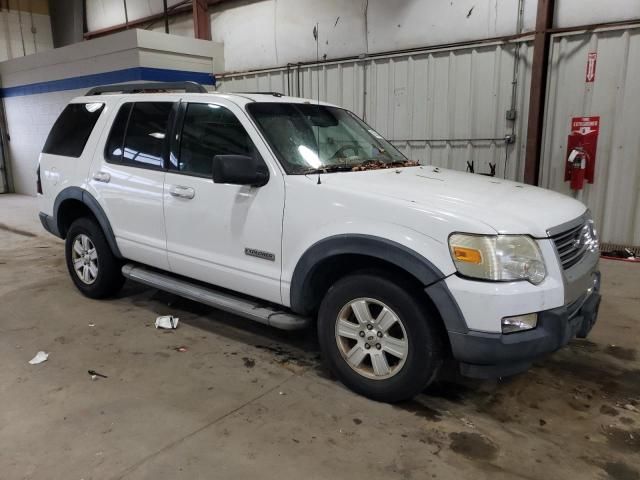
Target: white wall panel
<point>341,28</point>
<point>277,32</point>
<point>442,108</point>
<point>572,13</point>
<point>420,23</point>
<point>248,33</point>
<point>103,13</point>
<point>12,36</point>
<point>614,198</point>
<point>178,25</point>
<point>106,13</point>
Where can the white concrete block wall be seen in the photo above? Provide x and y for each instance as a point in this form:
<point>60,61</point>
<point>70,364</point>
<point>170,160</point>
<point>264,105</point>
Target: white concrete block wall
<point>29,119</point>
<point>11,38</point>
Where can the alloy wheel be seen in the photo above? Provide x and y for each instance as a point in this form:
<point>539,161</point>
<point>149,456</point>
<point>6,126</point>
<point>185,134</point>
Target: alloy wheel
<point>85,259</point>
<point>371,338</point>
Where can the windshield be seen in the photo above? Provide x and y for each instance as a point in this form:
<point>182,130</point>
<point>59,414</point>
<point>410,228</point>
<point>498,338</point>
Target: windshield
<point>309,138</point>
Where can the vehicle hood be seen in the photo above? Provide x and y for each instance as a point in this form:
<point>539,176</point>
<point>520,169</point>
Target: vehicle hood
<point>506,207</point>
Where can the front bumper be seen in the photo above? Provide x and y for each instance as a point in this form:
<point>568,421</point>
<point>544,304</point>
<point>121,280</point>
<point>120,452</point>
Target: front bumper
<point>491,355</point>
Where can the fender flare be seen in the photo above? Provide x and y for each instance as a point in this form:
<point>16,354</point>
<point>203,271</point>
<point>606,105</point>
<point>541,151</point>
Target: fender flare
<point>402,257</point>
<point>84,197</point>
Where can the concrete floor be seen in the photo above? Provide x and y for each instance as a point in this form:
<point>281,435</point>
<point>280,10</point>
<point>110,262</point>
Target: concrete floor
<point>245,401</point>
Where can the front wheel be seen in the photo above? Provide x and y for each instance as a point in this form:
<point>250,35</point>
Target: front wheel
<point>378,339</point>
<point>93,268</point>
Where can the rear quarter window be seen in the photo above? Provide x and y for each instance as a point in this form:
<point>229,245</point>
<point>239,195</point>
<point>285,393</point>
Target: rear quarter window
<point>71,130</point>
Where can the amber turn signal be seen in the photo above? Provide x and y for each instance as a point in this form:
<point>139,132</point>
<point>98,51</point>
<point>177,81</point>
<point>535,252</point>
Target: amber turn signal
<point>469,255</point>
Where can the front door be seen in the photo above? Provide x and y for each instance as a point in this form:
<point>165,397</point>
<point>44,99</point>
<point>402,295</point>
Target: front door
<point>225,235</point>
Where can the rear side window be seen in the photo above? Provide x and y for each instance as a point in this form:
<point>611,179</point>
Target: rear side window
<point>71,131</point>
<point>137,137</point>
<point>210,130</point>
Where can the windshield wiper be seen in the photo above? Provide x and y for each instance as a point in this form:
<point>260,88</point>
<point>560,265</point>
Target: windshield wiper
<point>375,164</point>
<point>370,164</point>
<point>327,169</point>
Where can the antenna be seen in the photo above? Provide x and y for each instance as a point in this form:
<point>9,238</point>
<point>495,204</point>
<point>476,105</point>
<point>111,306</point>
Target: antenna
<point>315,36</point>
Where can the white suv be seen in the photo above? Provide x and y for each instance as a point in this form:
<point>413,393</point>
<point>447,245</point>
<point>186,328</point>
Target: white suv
<point>288,211</point>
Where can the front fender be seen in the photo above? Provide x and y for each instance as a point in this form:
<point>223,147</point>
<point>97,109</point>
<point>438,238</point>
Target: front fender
<point>408,260</point>
<point>376,247</point>
<point>378,238</point>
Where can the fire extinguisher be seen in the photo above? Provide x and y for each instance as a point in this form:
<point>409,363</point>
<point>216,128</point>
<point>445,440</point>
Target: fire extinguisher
<point>577,160</point>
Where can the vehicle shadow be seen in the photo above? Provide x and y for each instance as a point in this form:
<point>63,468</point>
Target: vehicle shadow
<point>298,347</point>
<point>581,362</point>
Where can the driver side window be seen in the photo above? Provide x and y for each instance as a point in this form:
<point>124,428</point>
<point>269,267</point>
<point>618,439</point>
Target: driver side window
<point>209,130</point>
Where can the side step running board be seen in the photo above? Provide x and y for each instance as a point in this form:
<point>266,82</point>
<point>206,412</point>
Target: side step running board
<point>251,309</point>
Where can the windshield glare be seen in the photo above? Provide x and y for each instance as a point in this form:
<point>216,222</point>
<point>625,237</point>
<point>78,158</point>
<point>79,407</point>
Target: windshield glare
<point>309,137</point>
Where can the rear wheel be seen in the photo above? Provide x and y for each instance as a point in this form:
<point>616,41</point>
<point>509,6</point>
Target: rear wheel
<point>93,268</point>
<point>378,339</point>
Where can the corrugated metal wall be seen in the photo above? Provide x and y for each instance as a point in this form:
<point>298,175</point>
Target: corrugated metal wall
<point>614,198</point>
<point>443,107</point>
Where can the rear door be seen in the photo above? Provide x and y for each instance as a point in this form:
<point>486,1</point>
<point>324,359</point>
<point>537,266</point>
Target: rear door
<point>226,235</point>
<point>128,177</point>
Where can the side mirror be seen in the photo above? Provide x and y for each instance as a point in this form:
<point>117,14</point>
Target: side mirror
<point>239,170</point>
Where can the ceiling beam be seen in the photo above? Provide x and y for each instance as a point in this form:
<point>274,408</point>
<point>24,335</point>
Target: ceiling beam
<point>201,20</point>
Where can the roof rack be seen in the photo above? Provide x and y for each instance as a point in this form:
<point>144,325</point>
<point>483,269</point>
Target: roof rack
<point>188,87</point>
<point>275,94</point>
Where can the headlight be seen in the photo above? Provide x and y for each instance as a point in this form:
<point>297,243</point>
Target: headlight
<point>497,257</point>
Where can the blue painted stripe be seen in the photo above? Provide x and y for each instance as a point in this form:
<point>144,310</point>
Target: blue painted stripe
<point>106,78</point>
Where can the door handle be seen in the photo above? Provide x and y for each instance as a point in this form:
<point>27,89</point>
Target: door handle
<point>103,177</point>
<point>182,192</point>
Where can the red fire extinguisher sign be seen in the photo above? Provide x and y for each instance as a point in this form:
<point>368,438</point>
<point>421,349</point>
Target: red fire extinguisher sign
<point>584,138</point>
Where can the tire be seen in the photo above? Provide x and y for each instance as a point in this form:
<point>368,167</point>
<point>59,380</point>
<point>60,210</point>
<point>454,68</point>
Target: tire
<point>94,269</point>
<point>407,335</point>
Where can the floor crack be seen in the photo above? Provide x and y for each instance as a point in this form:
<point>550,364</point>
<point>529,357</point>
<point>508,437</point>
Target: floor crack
<point>171,445</point>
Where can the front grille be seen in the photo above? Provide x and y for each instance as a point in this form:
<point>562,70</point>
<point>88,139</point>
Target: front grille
<point>573,244</point>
